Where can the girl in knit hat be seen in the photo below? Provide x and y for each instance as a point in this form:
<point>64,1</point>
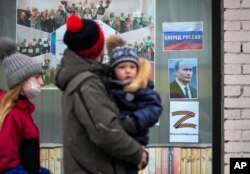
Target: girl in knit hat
<point>139,104</point>
<point>19,136</point>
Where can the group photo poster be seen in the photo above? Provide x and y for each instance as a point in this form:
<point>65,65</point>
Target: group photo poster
<point>41,27</point>
<point>184,122</point>
<point>36,23</point>
<point>183,75</point>
<point>183,36</point>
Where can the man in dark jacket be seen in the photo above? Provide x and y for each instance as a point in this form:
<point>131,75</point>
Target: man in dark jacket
<point>94,141</point>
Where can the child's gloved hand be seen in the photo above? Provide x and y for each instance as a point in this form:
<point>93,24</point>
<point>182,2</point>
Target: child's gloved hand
<point>129,124</point>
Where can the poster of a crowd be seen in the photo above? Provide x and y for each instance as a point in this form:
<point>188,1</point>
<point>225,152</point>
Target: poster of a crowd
<point>41,26</point>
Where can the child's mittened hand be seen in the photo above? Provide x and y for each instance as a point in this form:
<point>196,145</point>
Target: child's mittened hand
<point>129,125</point>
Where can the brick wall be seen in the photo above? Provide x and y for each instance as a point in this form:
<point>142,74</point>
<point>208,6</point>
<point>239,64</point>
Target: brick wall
<point>236,79</point>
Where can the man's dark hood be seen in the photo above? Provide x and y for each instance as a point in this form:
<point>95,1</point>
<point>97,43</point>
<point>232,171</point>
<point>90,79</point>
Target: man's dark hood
<point>72,64</point>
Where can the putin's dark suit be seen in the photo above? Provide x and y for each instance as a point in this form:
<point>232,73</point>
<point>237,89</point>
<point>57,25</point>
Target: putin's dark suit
<point>176,92</point>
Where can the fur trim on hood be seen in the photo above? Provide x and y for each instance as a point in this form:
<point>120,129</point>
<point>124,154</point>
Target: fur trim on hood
<point>143,76</point>
<point>145,70</point>
<point>114,41</point>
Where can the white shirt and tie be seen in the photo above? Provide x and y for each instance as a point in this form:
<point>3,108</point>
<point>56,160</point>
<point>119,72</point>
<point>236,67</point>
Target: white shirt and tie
<point>185,89</point>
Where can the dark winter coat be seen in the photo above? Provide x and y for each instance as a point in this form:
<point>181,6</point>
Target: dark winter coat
<point>141,104</point>
<point>94,141</point>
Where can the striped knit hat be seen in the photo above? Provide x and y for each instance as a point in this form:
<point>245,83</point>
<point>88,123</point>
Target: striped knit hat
<point>17,67</point>
<point>123,54</point>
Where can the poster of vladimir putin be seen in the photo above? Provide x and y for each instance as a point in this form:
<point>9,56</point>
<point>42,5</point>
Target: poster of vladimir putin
<point>183,78</point>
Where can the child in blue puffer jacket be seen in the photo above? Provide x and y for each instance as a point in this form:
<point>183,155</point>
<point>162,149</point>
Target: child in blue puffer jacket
<point>138,102</point>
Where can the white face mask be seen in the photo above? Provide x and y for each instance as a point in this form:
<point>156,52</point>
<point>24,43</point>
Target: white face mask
<point>32,90</point>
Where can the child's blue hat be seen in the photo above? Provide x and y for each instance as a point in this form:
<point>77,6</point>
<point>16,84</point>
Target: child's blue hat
<point>123,54</point>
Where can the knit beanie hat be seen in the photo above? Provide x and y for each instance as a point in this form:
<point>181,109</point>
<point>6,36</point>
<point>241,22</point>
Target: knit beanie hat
<point>18,67</point>
<point>114,41</point>
<point>123,54</point>
<point>84,37</point>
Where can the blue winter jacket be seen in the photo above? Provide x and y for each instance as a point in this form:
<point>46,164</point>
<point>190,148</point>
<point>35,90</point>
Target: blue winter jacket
<point>19,170</point>
<point>142,106</point>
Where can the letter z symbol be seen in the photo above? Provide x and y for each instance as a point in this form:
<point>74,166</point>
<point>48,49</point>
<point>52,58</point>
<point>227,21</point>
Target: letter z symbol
<point>179,123</point>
